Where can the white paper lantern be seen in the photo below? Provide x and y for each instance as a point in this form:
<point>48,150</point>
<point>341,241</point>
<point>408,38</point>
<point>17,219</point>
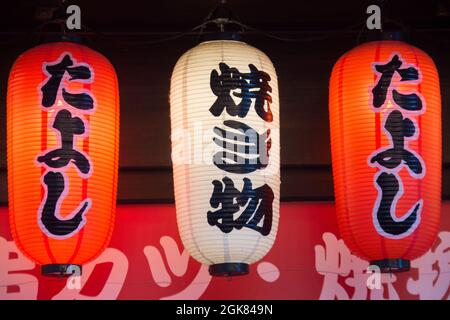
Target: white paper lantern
<point>227,189</point>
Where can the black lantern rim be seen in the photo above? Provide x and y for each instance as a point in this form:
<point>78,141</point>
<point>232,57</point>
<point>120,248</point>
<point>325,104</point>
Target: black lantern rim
<point>60,270</point>
<point>231,269</point>
<point>392,265</point>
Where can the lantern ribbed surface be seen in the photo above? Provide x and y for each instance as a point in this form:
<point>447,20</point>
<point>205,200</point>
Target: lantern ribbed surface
<point>365,179</point>
<point>192,123</point>
<point>36,125</point>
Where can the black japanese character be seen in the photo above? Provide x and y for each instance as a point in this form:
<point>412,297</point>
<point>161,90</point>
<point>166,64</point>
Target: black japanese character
<point>398,129</point>
<point>245,151</point>
<point>256,204</point>
<point>68,126</point>
<point>389,186</point>
<point>253,85</point>
<point>82,101</point>
<point>410,102</point>
<point>55,185</point>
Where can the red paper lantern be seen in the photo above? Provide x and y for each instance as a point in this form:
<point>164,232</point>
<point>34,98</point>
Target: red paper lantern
<point>63,136</point>
<point>385,118</point>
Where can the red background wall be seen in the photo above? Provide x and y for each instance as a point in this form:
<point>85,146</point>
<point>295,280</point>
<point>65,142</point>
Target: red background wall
<point>145,260</point>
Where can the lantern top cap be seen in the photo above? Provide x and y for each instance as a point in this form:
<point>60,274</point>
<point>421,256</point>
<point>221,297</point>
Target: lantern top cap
<point>221,24</point>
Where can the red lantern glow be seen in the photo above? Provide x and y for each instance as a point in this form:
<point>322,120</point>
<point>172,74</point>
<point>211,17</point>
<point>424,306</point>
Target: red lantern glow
<point>385,118</point>
<point>63,136</point>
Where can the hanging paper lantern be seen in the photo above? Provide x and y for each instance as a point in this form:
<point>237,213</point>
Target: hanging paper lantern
<point>225,154</point>
<point>62,137</point>
<point>385,117</point>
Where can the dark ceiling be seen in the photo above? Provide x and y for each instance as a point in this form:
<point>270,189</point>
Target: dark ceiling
<point>149,15</point>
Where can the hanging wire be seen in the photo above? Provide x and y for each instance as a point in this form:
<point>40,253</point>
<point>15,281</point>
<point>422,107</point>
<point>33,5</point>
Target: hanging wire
<point>170,38</point>
<point>210,19</point>
<point>427,35</point>
<point>329,33</point>
<point>200,29</point>
<point>221,23</point>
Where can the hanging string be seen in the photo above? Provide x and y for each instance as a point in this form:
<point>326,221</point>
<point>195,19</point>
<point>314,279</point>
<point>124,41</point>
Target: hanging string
<point>221,16</point>
<point>328,33</point>
<point>200,29</point>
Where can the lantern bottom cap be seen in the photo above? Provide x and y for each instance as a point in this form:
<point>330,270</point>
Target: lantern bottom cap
<point>60,270</point>
<point>392,265</point>
<point>229,269</point>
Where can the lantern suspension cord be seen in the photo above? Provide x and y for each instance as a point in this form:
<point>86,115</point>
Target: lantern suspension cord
<point>59,19</point>
<point>144,42</point>
<point>222,16</point>
<point>329,33</point>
